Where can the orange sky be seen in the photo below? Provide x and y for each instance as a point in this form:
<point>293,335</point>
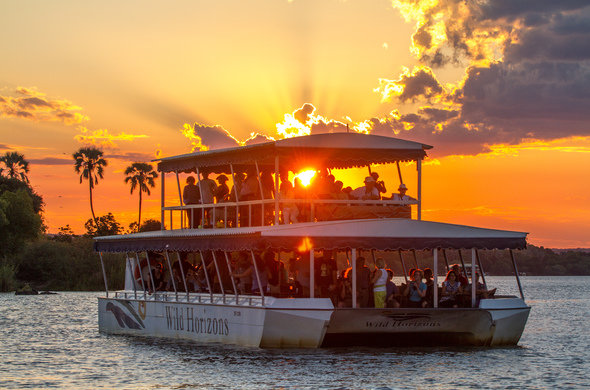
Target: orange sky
<point>127,77</point>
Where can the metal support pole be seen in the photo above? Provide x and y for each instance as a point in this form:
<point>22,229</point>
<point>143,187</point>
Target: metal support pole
<point>415,258</point>
<point>171,274</point>
<point>128,261</point>
<point>516,274</point>
<point>202,203</point>
<point>403,265</point>
<point>104,274</point>
<point>141,276</point>
<point>446,260</point>
<point>231,275</point>
<point>182,273</point>
<point>277,193</point>
<point>483,278</point>
<point>354,277</point>
<point>399,173</point>
<point>463,264</point>
<point>261,193</point>
<point>419,167</point>
<point>435,272</point>
<point>257,276</point>
<point>233,177</point>
<point>151,276</point>
<point>218,276</point>
<point>206,276</point>
<point>312,273</point>
<point>473,280</point>
<point>181,201</point>
<point>162,203</point>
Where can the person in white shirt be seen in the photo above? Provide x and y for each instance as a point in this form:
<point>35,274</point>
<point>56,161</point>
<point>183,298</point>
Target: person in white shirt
<point>367,192</point>
<point>402,197</point>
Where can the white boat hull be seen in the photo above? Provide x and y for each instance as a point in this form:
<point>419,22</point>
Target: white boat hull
<point>313,323</point>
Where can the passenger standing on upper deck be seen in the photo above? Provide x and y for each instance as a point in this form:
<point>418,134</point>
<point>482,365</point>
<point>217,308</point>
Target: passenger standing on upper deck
<point>250,191</point>
<point>367,192</point>
<point>192,195</point>
<point>208,188</point>
<point>290,210</point>
<point>222,190</point>
<point>379,184</point>
<point>401,197</point>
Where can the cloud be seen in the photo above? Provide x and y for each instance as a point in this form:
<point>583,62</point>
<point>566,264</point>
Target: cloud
<point>51,161</point>
<point>131,156</point>
<point>204,137</point>
<point>30,104</point>
<point>5,147</point>
<point>103,138</point>
<point>411,85</point>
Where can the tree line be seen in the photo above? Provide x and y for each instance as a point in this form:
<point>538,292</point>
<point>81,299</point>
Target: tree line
<point>66,261</point>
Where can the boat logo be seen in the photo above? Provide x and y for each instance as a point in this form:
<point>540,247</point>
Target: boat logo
<point>123,319</point>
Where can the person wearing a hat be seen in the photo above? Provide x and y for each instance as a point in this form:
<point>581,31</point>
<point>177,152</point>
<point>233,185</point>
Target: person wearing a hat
<point>368,192</point>
<point>379,184</point>
<point>402,197</point>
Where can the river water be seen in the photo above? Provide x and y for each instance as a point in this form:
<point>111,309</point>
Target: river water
<point>52,341</point>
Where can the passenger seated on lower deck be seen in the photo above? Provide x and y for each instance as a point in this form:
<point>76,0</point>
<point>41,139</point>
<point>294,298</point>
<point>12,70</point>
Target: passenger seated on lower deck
<point>451,290</point>
<point>416,290</point>
<point>461,278</point>
<point>428,275</point>
<point>345,289</point>
<point>391,299</point>
<point>262,275</point>
<point>481,292</point>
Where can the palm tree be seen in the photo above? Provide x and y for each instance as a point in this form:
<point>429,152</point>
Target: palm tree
<point>89,163</point>
<point>141,175</point>
<point>15,165</point>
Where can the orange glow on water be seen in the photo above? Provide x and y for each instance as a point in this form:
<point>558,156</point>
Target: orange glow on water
<point>305,176</point>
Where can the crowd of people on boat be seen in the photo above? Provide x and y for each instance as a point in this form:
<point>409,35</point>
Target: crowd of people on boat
<point>266,273</point>
<point>251,186</point>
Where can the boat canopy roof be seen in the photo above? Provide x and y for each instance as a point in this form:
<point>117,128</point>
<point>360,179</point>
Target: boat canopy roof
<point>330,150</point>
<point>378,234</point>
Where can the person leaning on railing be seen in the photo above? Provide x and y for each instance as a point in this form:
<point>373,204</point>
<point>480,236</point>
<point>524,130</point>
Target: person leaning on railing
<point>192,195</point>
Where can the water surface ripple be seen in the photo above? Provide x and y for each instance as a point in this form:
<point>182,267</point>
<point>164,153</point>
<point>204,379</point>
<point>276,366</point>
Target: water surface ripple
<point>52,341</point>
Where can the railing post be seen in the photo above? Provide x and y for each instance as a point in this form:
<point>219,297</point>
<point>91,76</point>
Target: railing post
<point>171,274</point>
<point>149,265</point>
<point>206,276</point>
<point>218,276</point>
<point>311,273</point>
<point>354,275</point>
<point>181,201</point>
<point>261,193</point>
<point>231,274</point>
<point>419,168</point>
<point>183,277</point>
<point>257,276</point>
<point>483,278</point>
<point>162,202</point>
<point>104,274</point>
<point>401,258</point>
<point>446,260</point>
<point>141,276</point>
<point>128,261</point>
<point>473,280</point>
<point>435,272</point>
<point>277,192</point>
<point>233,176</point>
<point>516,274</point>
<point>201,196</point>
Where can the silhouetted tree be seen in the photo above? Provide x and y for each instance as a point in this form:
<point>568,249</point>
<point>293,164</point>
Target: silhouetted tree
<point>89,163</point>
<point>14,166</point>
<point>141,175</point>
<point>107,226</point>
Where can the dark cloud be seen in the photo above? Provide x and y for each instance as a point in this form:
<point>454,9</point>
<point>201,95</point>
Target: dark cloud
<point>51,161</point>
<point>512,9</point>
<point>131,156</point>
<point>5,147</point>
<point>303,114</point>
<point>419,84</point>
<point>215,137</point>
<point>257,138</point>
<point>438,114</point>
<point>33,105</point>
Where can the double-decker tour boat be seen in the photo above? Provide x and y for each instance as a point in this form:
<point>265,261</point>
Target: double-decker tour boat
<point>271,265</point>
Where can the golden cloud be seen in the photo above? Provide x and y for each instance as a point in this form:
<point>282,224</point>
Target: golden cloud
<point>103,138</point>
<point>33,105</point>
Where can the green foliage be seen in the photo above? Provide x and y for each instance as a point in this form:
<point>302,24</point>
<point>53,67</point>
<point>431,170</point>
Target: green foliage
<point>89,163</point>
<point>150,225</point>
<point>14,166</point>
<point>7,276</point>
<point>65,234</point>
<point>142,176</point>
<point>57,265</point>
<point>13,185</point>
<point>18,221</point>
<point>107,226</point>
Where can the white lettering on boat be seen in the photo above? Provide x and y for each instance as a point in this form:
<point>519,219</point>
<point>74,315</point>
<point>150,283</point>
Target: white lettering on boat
<point>176,319</point>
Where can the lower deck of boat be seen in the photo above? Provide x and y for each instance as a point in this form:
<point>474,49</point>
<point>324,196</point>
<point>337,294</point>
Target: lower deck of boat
<point>310,322</point>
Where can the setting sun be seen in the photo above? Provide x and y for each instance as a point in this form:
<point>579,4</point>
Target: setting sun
<point>305,176</point>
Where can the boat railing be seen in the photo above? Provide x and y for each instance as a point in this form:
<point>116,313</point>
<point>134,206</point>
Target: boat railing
<point>192,297</point>
<point>264,211</point>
